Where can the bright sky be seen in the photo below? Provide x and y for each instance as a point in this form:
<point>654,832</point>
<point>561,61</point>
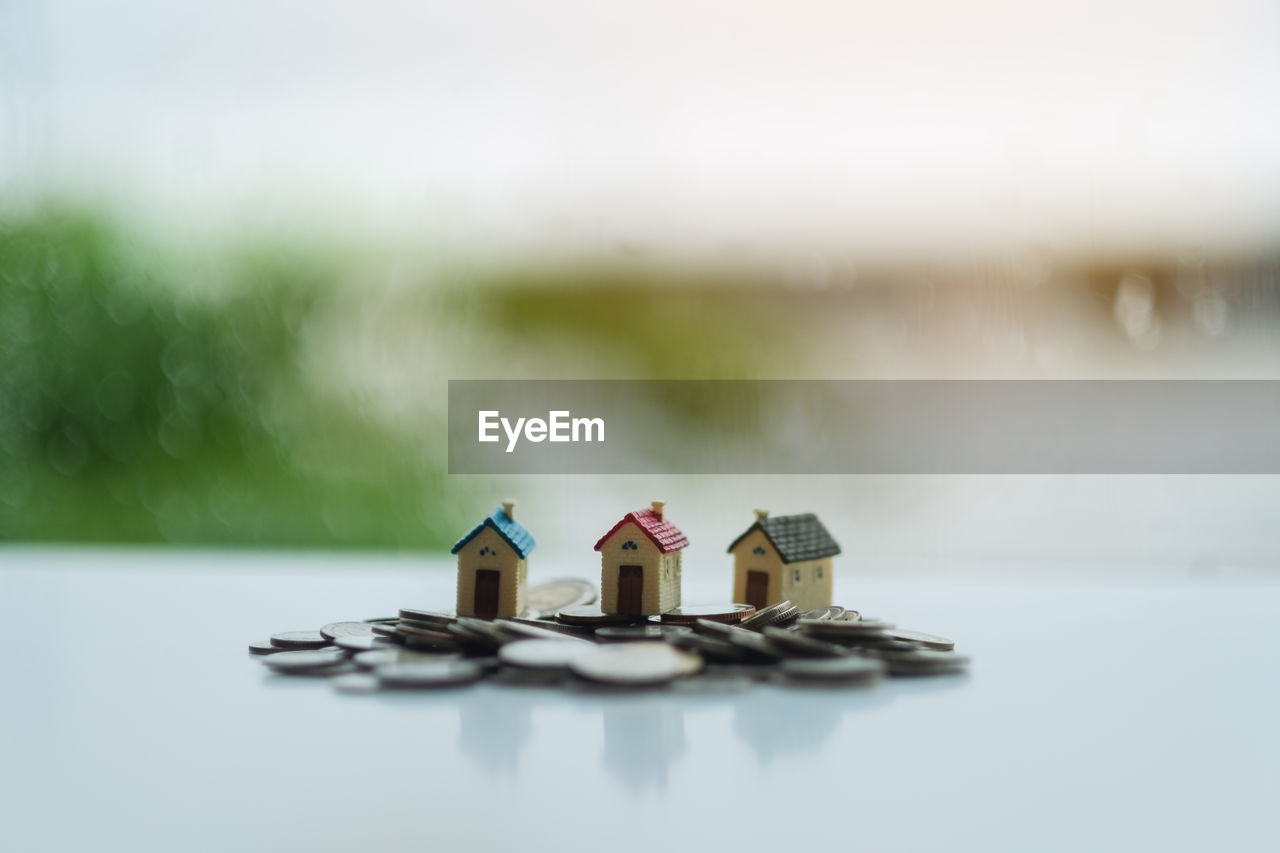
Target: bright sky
<point>668,125</point>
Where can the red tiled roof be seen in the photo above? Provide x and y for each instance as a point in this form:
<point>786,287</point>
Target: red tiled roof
<point>664,534</point>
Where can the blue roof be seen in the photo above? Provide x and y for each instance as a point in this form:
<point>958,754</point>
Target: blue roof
<point>511,531</point>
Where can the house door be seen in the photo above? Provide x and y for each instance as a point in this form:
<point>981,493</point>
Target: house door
<point>485,603</point>
<point>630,590</point>
<point>758,589</point>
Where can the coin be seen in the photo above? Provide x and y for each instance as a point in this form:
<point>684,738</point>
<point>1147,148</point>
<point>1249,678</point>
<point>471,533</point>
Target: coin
<point>380,619</point>
<point>636,664</point>
<point>688,614</point>
<point>436,673</point>
<point>356,682</point>
<point>775,614</point>
<point>357,643</point>
<point>263,647</point>
<point>300,640</point>
<point>838,628</point>
<point>592,615</point>
<point>921,662</point>
<point>310,659</point>
<point>743,638</point>
<point>430,617</point>
<point>550,597</point>
<point>406,630</point>
<point>793,643</point>
<point>335,630</point>
<point>711,648</point>
<point>385,629</point>
<point>633,632</point>
<point>832,612</point>
<point>384,657</point>
<point>524,630</point>
<point>580,631</point>
<point>929,641</point>
<point>544,654</point>
<point>849,668</point>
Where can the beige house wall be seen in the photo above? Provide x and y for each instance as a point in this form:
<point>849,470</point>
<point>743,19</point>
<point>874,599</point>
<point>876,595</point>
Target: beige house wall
<point>745,560</point>
<point>512,571</point>
<point>813,589</point>
<point>661,571</point>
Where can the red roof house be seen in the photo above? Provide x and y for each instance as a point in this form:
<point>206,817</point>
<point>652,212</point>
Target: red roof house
<point>640,563</point>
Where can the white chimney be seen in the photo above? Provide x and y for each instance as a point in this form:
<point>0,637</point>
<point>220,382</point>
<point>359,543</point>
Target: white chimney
<point>657,507</point>
<point>509,508</point>
<point>762,514</point>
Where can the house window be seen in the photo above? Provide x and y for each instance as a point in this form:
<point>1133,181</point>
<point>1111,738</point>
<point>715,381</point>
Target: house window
<point>758,550</point>
<point>797,576</point>
<point>819,568</point>
<point>630,545</point>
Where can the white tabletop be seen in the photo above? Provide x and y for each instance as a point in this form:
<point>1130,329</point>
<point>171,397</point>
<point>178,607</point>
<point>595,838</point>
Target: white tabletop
<point>1096,716</point>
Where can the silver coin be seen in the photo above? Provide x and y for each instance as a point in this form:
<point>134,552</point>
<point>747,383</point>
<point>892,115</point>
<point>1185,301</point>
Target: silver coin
<point>743,638</point>
<point>922,662</point>
<point>591,615</point>
<point>436,673</point>
<point>385,629</point>
<point>929,641</point>
<point>359,643</point>
<point>386,657</point>
<point>524,630</point>
<point>775,614</point>
<point>550,597</point>
<point>264,647</point>
<point>334,630</point>
<point>309,659</point>
<point>849,668</point>
<point>840,628</point>
<point>300,640</point>
<point>404,629</point>
<point>634,632</point>
<point>687,614</point>
<point>833,611</point>
<point>320,671</point>
<point>544,654</point>
<point>636,664</point>
<point>711,648</point>
<point>356,682</point>
<point>429,617</point>
<point>793,643</point>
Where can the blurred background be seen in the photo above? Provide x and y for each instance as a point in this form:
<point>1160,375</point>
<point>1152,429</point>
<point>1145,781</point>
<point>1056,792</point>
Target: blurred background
<point>243,246</point>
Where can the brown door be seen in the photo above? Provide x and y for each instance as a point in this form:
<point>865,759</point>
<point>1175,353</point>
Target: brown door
<point>630,589</point>
<point>485,603</point>
<point>757,589</point>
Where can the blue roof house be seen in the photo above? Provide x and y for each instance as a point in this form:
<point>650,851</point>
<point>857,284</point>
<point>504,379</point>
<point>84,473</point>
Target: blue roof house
<point>492,566</point>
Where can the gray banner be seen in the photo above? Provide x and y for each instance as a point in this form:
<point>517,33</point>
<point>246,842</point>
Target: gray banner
<point>863,427</point>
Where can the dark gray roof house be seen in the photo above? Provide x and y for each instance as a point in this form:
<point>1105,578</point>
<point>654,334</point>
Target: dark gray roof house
<point>795,537</point>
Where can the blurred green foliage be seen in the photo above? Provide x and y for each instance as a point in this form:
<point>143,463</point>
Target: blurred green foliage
<point>264,395</point>
<point>134,407</point>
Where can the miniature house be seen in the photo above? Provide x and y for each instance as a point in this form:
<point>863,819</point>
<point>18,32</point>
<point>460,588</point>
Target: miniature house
<point>491,566</point>
<point>640,564</point>
<point>786,558</point>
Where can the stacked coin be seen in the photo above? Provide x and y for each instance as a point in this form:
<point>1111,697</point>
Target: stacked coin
<point>724,646</point>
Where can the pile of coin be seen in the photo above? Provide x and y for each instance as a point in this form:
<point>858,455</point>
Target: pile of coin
<point>565,640</point>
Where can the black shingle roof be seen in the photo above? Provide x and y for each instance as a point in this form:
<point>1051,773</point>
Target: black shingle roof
<point>796,537</point>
